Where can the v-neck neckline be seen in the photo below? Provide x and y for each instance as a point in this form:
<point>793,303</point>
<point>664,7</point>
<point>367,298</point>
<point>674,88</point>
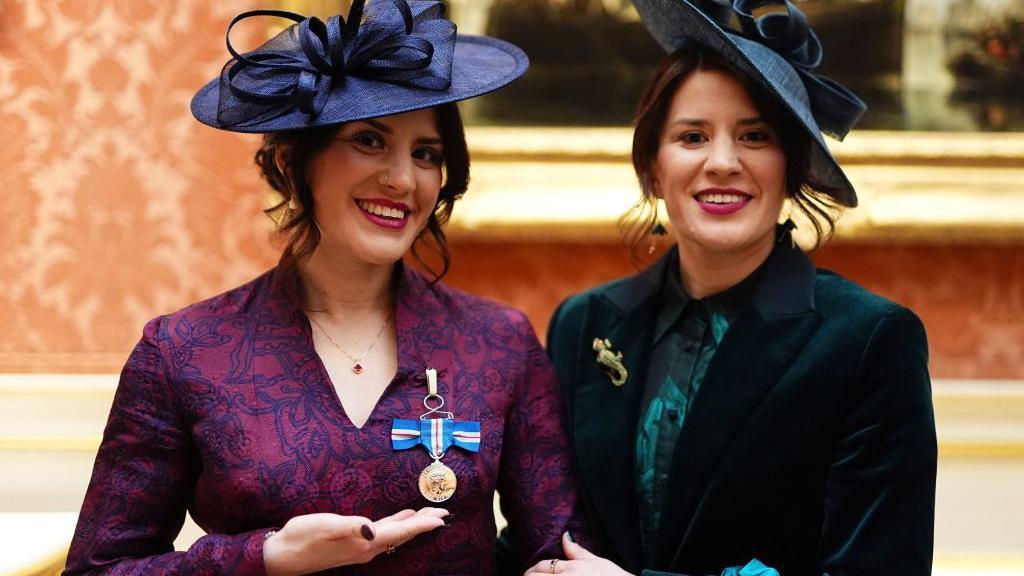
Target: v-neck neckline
<point>325,376</point>
<point>407,364</point>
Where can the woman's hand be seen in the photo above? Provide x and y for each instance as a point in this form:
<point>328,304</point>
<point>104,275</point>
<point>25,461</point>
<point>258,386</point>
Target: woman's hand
<point>580,561</point>
<point>316,542</point>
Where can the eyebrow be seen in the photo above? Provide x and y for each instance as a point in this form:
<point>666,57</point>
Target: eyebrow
<point>700,122</point>
<point>387,130</point>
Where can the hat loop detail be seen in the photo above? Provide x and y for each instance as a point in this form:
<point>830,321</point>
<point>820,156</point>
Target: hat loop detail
<point>834,107</point>
<point>390,45</point>
<point>788,34</point>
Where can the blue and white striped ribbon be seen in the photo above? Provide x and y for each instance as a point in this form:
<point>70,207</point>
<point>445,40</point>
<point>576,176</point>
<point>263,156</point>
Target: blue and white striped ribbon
<point>436,434</point>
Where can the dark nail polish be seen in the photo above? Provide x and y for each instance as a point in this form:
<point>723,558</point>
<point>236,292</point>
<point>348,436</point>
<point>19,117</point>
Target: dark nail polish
<point>448,519</point>
<point>367,532</point>
<point>569,535</point>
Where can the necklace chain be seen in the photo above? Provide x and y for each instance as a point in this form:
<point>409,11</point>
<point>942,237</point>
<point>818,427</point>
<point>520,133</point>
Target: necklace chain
<point>357,366</point>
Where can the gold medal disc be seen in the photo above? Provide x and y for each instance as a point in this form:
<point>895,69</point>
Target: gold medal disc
<point>437,482</point>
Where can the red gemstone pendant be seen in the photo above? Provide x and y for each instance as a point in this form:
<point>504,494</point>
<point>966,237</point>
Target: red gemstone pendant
<point>357,368</point>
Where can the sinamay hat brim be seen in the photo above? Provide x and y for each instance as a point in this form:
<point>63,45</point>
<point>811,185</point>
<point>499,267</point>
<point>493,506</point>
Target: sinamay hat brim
<point>678,23</point>
<point>478,65</point>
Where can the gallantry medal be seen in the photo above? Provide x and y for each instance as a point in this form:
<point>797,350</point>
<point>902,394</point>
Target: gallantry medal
<point>436,430</point>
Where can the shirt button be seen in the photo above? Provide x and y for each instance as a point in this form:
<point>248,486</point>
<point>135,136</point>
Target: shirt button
<point>673,414</point>
<point>689,346</point>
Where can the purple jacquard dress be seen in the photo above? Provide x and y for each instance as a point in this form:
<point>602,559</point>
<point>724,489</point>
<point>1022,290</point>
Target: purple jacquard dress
<point>224,409</point>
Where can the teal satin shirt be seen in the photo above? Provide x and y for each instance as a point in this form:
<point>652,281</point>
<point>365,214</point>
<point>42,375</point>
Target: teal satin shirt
<point>686,336</point>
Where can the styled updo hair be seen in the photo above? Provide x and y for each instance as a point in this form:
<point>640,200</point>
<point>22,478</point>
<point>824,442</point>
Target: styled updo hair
<point>298,227</point>
<point>808,197</point>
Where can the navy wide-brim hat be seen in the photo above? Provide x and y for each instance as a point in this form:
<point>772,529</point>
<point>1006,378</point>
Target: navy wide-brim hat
<point>389,57</point>
<point>777,50</point>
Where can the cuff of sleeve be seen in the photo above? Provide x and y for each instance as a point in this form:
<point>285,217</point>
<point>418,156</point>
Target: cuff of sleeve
<point>251,562</point>
<point>752,568</point>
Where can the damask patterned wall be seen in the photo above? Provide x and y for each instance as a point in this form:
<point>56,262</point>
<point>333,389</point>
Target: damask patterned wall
<point>116,203</point>
<point>119,206</point>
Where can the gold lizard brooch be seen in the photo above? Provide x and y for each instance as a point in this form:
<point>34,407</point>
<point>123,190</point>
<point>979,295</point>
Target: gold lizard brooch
<point>611,360</point>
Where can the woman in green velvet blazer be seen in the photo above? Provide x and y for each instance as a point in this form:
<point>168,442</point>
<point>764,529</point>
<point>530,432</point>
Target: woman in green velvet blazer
<point>732,409</point>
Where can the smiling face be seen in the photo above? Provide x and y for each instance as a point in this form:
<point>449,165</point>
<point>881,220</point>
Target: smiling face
<point>375,186</point>
<point>720,167</point>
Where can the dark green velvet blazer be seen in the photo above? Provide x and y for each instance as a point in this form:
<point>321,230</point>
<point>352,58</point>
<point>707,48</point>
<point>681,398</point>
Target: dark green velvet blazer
<point>810,445</point>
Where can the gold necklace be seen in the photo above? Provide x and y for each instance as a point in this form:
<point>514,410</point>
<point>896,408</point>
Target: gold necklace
<point>357,366</point>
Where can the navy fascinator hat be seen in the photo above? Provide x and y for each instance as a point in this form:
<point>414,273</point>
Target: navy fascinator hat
<point>388,57</point>
<point>780,52</point>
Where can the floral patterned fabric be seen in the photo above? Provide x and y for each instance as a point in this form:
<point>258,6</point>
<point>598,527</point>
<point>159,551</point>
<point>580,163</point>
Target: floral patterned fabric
<point>225,409</point>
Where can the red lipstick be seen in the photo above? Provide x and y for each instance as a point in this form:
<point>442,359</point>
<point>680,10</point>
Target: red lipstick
<point>722,208</point>
<point>389,222</point>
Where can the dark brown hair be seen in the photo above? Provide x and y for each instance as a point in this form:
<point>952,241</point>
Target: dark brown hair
<point>298,227</point>
<point>635,225</point>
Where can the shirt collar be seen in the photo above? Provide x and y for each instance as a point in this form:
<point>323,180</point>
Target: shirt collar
<point>785,286</point>
<point>675,301</point>
<point>674,298</point>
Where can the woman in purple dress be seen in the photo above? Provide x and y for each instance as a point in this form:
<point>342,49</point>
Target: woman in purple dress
<point>311,419</point>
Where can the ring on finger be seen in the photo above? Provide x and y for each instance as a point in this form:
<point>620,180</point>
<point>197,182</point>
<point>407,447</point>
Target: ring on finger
<point>390,550</point>
<point>553,566</point>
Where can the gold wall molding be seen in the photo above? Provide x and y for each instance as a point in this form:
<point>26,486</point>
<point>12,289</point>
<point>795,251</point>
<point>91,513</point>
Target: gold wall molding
<point>988,450</point>
<point>956,449</point>
<point>975,419</point>
<point>49,443</point>
<point>58,385</point>
<point>572,184</point>
<point>46,362</point>
<point>871,147</point>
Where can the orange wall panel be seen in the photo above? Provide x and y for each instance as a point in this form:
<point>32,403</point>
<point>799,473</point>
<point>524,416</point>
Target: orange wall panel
<point>117,203</point>
<point>971,298</point>
<point>118,206</point>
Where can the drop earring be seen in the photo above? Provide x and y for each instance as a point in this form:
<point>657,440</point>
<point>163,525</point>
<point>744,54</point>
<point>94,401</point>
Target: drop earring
<point>656,231</point>
<point>292,204</point>
<point>786,229</point>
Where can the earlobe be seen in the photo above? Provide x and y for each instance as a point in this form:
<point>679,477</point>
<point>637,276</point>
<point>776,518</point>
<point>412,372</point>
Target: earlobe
<point>656,190</point>
<point>650,178</point>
